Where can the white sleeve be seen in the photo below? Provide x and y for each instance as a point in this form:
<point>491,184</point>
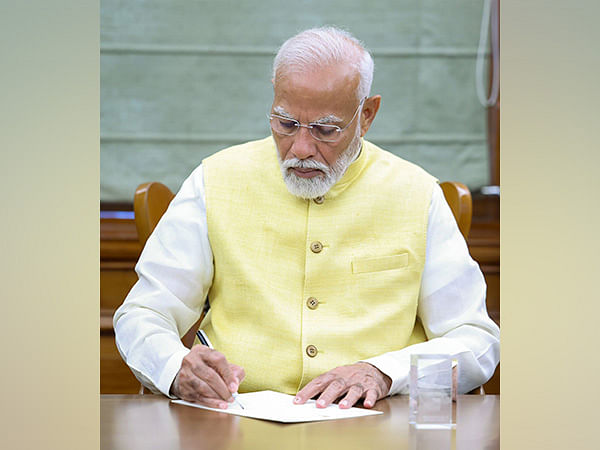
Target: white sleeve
<point>451,307</point>
<point>175,271</point>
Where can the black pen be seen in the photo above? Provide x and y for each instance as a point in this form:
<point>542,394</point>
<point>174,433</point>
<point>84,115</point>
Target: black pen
<point>204,341</point>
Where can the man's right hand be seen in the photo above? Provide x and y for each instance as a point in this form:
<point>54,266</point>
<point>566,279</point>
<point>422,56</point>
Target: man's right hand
<point>206,377</point>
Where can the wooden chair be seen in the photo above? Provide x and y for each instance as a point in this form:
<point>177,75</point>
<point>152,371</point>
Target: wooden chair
<point>150,202</point>
<point>152,199</point>
<point>459,199</point>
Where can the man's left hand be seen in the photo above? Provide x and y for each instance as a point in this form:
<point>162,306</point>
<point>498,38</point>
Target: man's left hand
<point>360,380</point>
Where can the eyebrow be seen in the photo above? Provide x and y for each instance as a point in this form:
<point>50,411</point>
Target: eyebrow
<point>282,112</point>
<point>331,118</point>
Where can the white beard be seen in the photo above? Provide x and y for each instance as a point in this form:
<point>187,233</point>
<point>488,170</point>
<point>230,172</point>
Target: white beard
<point>318,186</point>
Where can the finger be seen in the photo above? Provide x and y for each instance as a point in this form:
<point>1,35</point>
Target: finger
<point>208,375</point>
<point>355,392</point>
<point>238,372</point>
<point>313,388</point>
<point>370,398</point>
<point>192,388</point>
<point>217,361</point>
<point>335,389</point>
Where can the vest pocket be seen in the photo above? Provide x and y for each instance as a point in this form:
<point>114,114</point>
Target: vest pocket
<point>378,264</point>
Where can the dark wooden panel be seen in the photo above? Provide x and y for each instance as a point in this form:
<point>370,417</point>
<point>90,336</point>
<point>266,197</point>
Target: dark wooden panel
<point>493,294</point>
<point>115,283</point>
<point>486,209</point>
<point>115,376</point>
<point>493,385</point>
<point>119,251</point>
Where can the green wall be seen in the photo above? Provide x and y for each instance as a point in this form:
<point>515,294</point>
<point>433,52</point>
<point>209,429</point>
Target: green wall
<point>183,79</point>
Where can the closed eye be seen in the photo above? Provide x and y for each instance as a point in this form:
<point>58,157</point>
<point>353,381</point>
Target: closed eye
<point>287,124</point>
<point>325,130</point>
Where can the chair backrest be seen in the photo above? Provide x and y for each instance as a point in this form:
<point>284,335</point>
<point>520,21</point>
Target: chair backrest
<point>150,202</point>
<point>459,199</point>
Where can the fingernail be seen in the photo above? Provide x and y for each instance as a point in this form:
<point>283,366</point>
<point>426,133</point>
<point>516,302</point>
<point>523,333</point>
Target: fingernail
<point>320,402</point>
<point>297,400</point>
<point>232,387</point>
<point>344,403</point>
<point>223,405</point>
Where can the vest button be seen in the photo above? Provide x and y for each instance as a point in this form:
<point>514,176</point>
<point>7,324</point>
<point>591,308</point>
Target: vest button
<point>312,303</point>
<point>316,247</point>
<point>319,200</point>
<point>311,351</point>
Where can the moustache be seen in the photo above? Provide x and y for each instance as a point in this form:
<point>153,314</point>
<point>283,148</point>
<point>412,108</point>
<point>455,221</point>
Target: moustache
<point>295,163</point>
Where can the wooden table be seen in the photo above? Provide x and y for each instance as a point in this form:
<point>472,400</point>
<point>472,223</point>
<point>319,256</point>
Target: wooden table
<point>152,421</point>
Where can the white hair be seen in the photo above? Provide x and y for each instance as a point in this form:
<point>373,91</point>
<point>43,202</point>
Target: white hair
<point>308,188</point>
<point>324,46</point>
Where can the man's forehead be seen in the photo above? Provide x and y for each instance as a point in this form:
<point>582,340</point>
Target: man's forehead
<point>339,78</point>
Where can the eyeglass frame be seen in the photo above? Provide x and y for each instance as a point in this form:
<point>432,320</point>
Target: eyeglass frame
<point>309,126</point>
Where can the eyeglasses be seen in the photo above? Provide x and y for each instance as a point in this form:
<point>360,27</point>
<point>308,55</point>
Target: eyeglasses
<point>320,131</point>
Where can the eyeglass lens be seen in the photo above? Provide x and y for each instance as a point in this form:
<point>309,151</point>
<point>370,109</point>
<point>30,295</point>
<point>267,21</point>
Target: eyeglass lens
<point>289,127</point>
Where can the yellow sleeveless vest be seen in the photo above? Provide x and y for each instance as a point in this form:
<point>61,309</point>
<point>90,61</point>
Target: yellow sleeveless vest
<point>301,287</point>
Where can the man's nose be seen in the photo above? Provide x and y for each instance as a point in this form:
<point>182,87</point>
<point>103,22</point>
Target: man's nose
<point>304,145</point>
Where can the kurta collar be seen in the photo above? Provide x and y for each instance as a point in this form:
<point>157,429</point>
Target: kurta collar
<point>352,173</point>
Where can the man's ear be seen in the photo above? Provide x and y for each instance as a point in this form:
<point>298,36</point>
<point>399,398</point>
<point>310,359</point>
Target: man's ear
<point>368,113</point>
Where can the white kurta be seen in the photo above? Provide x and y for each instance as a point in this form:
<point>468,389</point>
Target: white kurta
<point>175,273</point>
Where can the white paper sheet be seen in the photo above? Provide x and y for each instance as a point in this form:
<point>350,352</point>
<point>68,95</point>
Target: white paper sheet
<point>278,407</point>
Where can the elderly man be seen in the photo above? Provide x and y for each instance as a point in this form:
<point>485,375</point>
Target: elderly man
<point>327,260</point>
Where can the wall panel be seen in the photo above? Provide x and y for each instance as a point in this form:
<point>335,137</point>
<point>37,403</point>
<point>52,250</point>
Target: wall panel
<point>183,79</point>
